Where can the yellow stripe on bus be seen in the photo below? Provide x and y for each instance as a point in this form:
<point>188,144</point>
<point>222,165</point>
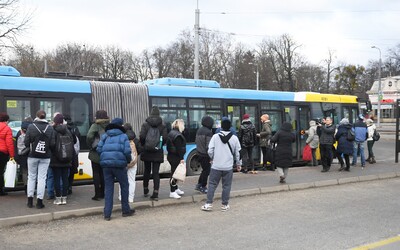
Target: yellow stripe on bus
<point>82,176</point>
<point>378,244</point>
<point>316,97</point>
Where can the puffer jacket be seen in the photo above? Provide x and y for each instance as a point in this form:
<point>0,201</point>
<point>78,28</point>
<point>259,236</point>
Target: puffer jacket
<point>6,140</point>
<point>344,146</point>
<point>284,138</point>
<point>100,124</point>
<point>176,144</point>
<point>265,134</point>
<point>114,147</point>
<point>313,138</point>
<point>32,133</point>
<point>60,129</point>
<point>203,136</point>
<point>153,121</point>
<point>327,134</point>
<point>371,130</point>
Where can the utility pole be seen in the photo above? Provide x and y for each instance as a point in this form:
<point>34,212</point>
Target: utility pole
<point>379,86</point>
<point>196,41</point>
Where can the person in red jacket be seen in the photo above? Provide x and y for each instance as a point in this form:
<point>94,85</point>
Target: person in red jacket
<point>6,148</point>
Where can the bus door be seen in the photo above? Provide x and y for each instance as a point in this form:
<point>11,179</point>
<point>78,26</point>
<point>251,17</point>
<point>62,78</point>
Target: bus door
<point>299,117</point>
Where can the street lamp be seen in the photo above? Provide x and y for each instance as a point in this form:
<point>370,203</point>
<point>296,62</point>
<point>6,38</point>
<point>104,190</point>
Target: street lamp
<point>257,76</point>
<point>379,86</point>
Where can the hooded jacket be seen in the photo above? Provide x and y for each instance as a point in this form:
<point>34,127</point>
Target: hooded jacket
<point>60,129</point>
<point>219,152</point>
<point>284,138</point>
<point>114,148</point>
<point>247,134</point>
<point>265,134</point>
<point>6,140</point>
<point>344,146</point>
<point>32,133</point>
<point>313,138</point>
<point>203,136</point>
<point>153,121</point>
<point>100,124</point>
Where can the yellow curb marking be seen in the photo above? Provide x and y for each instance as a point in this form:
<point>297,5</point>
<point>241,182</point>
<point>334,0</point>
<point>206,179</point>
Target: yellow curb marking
<point>378,244</point>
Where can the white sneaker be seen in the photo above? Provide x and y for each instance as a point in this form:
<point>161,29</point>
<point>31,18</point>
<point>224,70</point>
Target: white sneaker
<point>225,208</point>
<point>207,207</point>
<point>57,201</point>
<point>180,192</point>
<point>174,195</point>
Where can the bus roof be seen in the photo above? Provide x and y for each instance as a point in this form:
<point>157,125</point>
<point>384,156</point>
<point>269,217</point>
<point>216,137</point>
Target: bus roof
<point>183,82</point>
<point>44,84</point>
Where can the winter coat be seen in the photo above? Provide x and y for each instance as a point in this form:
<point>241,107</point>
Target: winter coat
<point>203,136</point>
<point>176,144</point>
<point>371,130</point>
<point>132,137</point>
<point>114,147</point>
<point>61,129</point>
<point>220,154</point>
<point>100,124</point>
<point>284,138</point>
<point>153,121</point>
<point>361,131</point>
<point>313,138</point>
<point>327,134</point>
<point>344,146</point>
<point>6,140</point>
<point>32,133</point>
<point>265,134</point>
<point>247,134</point>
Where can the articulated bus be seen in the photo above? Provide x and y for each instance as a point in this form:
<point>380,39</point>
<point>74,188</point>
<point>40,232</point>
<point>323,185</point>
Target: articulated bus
<point>187,99</point>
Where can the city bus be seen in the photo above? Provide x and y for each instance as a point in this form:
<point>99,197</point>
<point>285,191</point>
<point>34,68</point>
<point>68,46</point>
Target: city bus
<point>187,99</point>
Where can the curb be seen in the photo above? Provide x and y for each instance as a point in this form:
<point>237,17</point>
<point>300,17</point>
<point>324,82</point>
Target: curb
<point>196,198</point>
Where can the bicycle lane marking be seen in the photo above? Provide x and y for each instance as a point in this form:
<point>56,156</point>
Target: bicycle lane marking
<point>378,243</point>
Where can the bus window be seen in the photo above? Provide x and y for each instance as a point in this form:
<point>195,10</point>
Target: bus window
<point>50,107</point>
<point>275,118</point>
<point>79,112</point>
<point>177,102</point>
<point>18,110</point>
<point>196,103</point>
<point>160,102</point>
<point>213,104</point>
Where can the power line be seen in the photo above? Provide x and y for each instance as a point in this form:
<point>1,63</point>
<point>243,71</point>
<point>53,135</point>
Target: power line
<point>295,12</point>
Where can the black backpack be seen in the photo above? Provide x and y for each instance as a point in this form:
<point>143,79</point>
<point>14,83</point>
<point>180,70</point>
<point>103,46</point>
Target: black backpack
<point>350,135</point>
<point>153,141</point>
<point>248,137</point>
<point>64,150</point>
<point>41,144</point>
<point>376,136</point>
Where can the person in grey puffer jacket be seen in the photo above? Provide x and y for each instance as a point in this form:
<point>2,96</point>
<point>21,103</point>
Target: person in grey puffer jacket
<point>313,140</point>
<point>223,150</point>
<point>326,141</point>
<point>203,137</point>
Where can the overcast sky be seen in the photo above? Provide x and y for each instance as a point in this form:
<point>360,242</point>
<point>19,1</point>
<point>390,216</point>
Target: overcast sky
<point>348,27</point>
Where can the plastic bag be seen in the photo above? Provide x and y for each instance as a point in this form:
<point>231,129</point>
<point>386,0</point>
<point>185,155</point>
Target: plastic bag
<point>180,172</point>
<point>10,174</point>
<point>307,155</point>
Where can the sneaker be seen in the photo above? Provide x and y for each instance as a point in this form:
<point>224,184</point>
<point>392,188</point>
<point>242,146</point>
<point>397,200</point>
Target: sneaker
<point>225,208</point>
<point>197,188</point>
<point>207,207</point>
<point>107,218</point>
<point>180,192</point>
<point>203,190</point>
<point>57,201</point>
<point>130,213</point>
<point>174,195</point>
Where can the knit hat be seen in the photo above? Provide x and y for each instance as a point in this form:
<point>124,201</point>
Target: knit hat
<point>117,121</point>
<point>101,114</point>
<point>4,117</point>
<point>226,124</point>
<point>155,111</point>
<point>58,119</point>
<point>246,116</point>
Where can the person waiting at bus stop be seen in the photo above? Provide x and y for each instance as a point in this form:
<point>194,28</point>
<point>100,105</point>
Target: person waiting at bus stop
<point>247,138</point>
<point>265,136</point>
<point>115,153</point>
<point>326,141</point>
<point>361,133</point>
<point>6,148</point>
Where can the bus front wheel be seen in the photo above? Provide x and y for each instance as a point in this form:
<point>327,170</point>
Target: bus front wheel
<point>193,166</point>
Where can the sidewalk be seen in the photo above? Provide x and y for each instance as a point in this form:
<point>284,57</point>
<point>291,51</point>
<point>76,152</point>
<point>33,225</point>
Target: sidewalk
<point>13,209</point>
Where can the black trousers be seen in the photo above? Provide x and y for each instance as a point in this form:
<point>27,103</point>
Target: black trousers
<point>3,162</point>
<point>148,167</point>
<point>98,180</point>
<point>346,158</point>
<point>248,157</point>
<point>326,155</point>
<point>264,153</point>
<point>205,172</point>
<point>174,161</point>
<point>370,145</point>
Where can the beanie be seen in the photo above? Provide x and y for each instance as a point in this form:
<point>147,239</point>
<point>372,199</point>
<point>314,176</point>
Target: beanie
<point>58,119</point>
<point>246,116</point>
<point>101,114</point>
<point>155,111</point>
<point>226,124</point>
<point>117,121</point>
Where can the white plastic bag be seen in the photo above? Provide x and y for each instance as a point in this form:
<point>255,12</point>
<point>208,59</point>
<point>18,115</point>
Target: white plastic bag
<point>180,172</point>
<point>10,174</point>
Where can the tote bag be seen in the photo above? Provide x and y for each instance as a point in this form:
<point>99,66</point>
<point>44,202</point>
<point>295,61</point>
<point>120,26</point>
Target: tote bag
<point>10,174</point>
<point>307,155</point>
<point>180,172</point>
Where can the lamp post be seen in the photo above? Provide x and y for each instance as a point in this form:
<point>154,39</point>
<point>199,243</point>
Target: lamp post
<point>379,86</point>
<point>257,76</point>
<point>196,41</point>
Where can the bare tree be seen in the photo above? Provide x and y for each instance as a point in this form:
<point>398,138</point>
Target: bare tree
<point>117,63</point>
<point>27,61</point>
<point>329,70</point>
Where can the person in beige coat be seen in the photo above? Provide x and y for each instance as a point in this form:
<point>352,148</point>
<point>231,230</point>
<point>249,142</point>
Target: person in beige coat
<point>313,141</point>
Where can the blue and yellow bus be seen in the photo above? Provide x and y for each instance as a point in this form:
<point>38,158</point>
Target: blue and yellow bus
<point>187,99</point>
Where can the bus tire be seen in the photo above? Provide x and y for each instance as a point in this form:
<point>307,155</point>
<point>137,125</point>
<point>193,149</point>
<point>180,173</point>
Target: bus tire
<point>193,166</point>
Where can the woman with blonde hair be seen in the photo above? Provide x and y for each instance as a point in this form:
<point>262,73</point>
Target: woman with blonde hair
<point>176,147</point>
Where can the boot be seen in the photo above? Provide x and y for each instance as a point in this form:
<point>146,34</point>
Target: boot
<point>373,160</point>
<point>155,195</point>
<point>2,192</point>
<point>30,202</point>
<point>145,191</point>
<point>341,167</point>
<point>64,200</point>
<point>39,204</point>
<point>57,201</point>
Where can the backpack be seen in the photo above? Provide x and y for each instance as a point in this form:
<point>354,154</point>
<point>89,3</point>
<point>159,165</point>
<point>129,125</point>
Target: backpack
<point>351,136</point>
<point>40,145</point>
<point>97,139</point>
<point>153,141</point>
<point>134,154</point>
<point>248,137</point>
<point>376,136</point>
<point>64,150</point>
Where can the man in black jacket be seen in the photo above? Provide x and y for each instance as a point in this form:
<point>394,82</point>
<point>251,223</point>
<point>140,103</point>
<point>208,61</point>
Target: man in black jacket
<point>203,137</point>
<point>326,141</point>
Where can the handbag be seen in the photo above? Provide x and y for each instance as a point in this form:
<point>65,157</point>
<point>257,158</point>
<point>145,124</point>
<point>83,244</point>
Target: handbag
<point>180,172</point>
<point>307,155</point>
<point>10,174</point>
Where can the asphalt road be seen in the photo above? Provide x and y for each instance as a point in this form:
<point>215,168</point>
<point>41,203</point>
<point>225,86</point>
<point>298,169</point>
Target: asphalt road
<point>336,217</point>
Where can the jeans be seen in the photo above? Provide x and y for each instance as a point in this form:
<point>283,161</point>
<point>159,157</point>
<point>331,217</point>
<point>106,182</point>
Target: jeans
<point>61,181</point>
<point>98,180</point>
<point>215,177</point>
<point>205,172</point>
<point>357,145</point>
<point>50,182</point>
<point>248,157</point>
<point>132,183</point>
<point>122,177</point>
<point>37,171</point>
<point>370,145</point>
